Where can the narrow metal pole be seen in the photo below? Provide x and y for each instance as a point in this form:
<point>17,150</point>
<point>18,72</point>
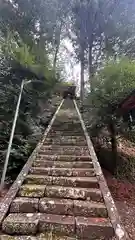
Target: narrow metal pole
<point>11,137</point>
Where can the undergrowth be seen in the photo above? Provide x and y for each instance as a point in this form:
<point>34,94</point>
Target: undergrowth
<point>126,170</point>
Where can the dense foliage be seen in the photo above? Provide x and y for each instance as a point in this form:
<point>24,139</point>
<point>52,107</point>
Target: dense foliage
<point>112,84</point>
<point>29,41</point>
<point>109,123</point>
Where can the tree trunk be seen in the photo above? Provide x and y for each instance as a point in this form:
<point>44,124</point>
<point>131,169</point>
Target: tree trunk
<point>112,130</point>
<point>90,67</point>
<point>55,57</point>
<point>58,36</point>
<point>82,79</point>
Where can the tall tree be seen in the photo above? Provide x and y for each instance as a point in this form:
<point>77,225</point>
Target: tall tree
<point>79,39</point>
<point>103,27</point>
<point>27,33</point>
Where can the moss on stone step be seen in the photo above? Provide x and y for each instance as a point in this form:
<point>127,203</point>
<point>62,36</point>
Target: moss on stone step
<point>31,190</point>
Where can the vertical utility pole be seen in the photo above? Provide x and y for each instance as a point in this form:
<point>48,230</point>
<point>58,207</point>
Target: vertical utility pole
<point>11,137</point>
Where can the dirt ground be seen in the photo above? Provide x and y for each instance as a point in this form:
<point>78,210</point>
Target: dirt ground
<point>123,193</point>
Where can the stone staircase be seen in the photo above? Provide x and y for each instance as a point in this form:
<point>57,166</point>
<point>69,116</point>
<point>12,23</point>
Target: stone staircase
<point>60,198</point>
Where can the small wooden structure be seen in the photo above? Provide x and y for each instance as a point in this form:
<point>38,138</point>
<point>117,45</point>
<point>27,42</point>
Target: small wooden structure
<point>65,90</point>
<point>128,103</point>
<point>127,108</point>
<point>69,92</point>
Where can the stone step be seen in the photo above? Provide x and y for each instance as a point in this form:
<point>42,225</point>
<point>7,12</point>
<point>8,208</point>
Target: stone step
<point>56,152</point>
<point>83,182</point>
<point>90,209</point>
<point>9,237</point>
<point>67,132</point>
<point>65,148</point>
<point>68,124</point>
<point>32,191</point>
<point>72,207</point>
<point>59,134</point>
<point>25,224</point>
<point>67,172</point>
<point>44,205</point>
<point>42,236</point>
<point>74,150</point>
<point>33,223</point>
<point>54,236</point>
<point>61,224</point>
<point>62,164</point>
<point>67,128</point>
<point>68,138</point>
<point>38,179</point>
<point>58,206</point>
<point>94,228</point>
<point>40,191</point>
<point>24,205</point>
<point>92,194</point>
<point>65,120</point>
<point>67,141</point>
<point>65,158</point>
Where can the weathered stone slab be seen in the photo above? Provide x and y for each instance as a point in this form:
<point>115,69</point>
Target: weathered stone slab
<point>24,224</point>
<point>50,235</point>
<point>63,181</point>
<point>94,228</point>
<point>67,141</point>
<point>57,164</point>
<point>50,171</point>
<point>83,182</point>
<point>63,164</point>
<point>75,172</point>
<point>7,237</point>
<point>83,164</point>
<point>29,190</point>
<point>39,169</point>
<point>24,205</point>
<point>67,172</point>
<point>65,158</point>
<point>38,179</point>
<point>66,133</point>
<point>56,206</point>
<point>61,147</point>
<point>85,172</point>
<point>73,193</point>
<point>89,209</point>
<point>93,194</point>
<point>64,192</point>
<point>62,152</point>
<point>67,138</point>
<point>58,224</point>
